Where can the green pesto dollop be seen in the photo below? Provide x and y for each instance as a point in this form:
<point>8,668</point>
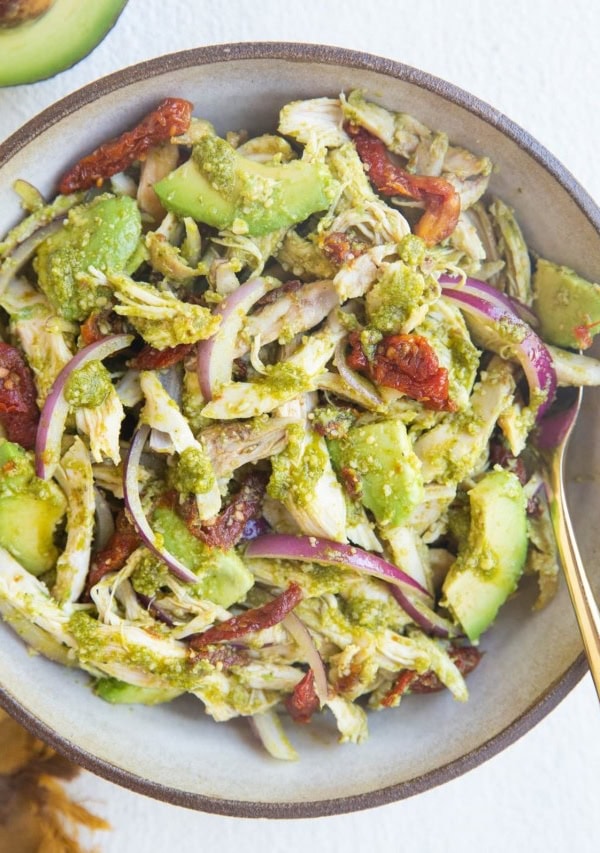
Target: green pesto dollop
<point>103,234</point>
<point>218,161</point>
<point>412,250</point>
<point>149,575</point>
<point>88,386</point>
<point>298,468</point>
<point>193,472</point>
<point>397,293</point>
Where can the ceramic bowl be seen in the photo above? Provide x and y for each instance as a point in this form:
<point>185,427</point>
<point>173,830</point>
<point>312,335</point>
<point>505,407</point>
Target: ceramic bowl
<point>174,752</point>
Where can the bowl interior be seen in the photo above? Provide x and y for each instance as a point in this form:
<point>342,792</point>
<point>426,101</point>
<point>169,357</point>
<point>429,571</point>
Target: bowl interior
<point>174,751</point>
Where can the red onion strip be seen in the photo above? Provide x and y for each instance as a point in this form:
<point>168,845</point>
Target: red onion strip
<point>301,635</point>
<point>215,355</point>
<point>131,491</point>
<point>529,349</point>
<point>56,408</point>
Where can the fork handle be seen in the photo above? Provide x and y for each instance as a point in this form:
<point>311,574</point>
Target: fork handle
<point>582,597</point>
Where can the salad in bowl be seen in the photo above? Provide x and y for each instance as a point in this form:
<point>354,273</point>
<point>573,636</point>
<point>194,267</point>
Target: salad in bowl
<point>269,406</point>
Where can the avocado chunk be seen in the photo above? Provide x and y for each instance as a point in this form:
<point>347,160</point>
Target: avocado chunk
<point>567,305</point>
<point>39,48</point>
<point>222,188</point>
<point>222,576</point>
<point>103,234</point>
<point>120,693</point>
<point>490,562</point>
<point>380,458</point>
<point>30,510</point>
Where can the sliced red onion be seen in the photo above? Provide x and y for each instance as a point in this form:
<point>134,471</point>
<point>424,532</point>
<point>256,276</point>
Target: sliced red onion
<point>131,492</point>
<point>56,408</point>
<point>409,594</point>
<point>476,299</point>
<point>316,550</point>
<point>105,525</point>
<point>155,609</point>
<point>216,355</point>
<point>267,727</point>
<point>363,389</point>
<point>309,651</point>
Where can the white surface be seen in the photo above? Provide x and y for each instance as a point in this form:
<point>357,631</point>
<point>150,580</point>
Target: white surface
<point>538,62</point>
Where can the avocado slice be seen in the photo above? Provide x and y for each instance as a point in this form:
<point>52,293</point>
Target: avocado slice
<point>568,306</point>
<point>68,31</point>
<point>103,234</point>
<point>222,576</point>
<point>30,510</point>
<point>221,188</point>
<point>490,563</point>
<point>381,458</point>
<point>120,693</point>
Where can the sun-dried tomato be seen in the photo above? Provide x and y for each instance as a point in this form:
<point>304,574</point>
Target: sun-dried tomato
<point>441,201</point>
<point>340,249</point>
<point>99,324</point>
<point>465,659</point>
<point>407,363</point>
<point>352,482</point>
<point>225,529</point>
<point>271,296</point>
<point>257,619</point>
<point>149,358</point>
<point>115,553</point>
<point>19,414</point>
<point>303,702</point>
<point>170,118</point>
<point>222,657</point>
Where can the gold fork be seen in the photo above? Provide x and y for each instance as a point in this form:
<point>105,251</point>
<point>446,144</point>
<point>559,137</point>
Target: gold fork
<point>553,438</point>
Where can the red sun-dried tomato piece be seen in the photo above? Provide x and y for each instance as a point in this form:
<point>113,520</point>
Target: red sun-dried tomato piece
<point>225,529</point>
<point>407,363</point>
<point>115,553</point>
<point>170,118</point>
<point>303,702</point>
<point>257,619</point>
<point>149,358</point>
<point>19,414</point>
<point>465,658</point>
<point>340,249</point>
<point>441,201</point>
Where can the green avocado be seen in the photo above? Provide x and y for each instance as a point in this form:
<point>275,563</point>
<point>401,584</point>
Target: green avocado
<point>221,188</point>
<point>30,510</point>
<point>490,562</point>
<point>388,473</point>
<point>103,234</point>
<point>222,576</point>
<point>568,306</point>
<point>120,693</point>
<point>55,40</point>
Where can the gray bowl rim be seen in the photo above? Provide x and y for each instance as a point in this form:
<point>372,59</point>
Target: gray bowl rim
<point>330,55</point>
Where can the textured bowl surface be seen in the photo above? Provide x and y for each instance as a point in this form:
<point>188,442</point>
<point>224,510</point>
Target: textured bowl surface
<point>173,751</point>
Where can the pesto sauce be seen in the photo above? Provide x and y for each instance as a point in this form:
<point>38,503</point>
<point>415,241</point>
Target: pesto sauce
<point>193,472</point>
<point>88,386</point>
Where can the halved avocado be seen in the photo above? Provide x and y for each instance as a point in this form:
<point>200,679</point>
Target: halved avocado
<point>55,40</point>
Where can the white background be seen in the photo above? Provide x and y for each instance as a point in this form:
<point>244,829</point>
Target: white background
<point>539,62</point>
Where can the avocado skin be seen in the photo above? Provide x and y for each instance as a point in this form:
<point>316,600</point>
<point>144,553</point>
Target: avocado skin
<point>563,302</point>
<point>120,693</point>
<point>63,35</point>
<point>380,455</point>
<point>490,563</point>
<point>221,188</point>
